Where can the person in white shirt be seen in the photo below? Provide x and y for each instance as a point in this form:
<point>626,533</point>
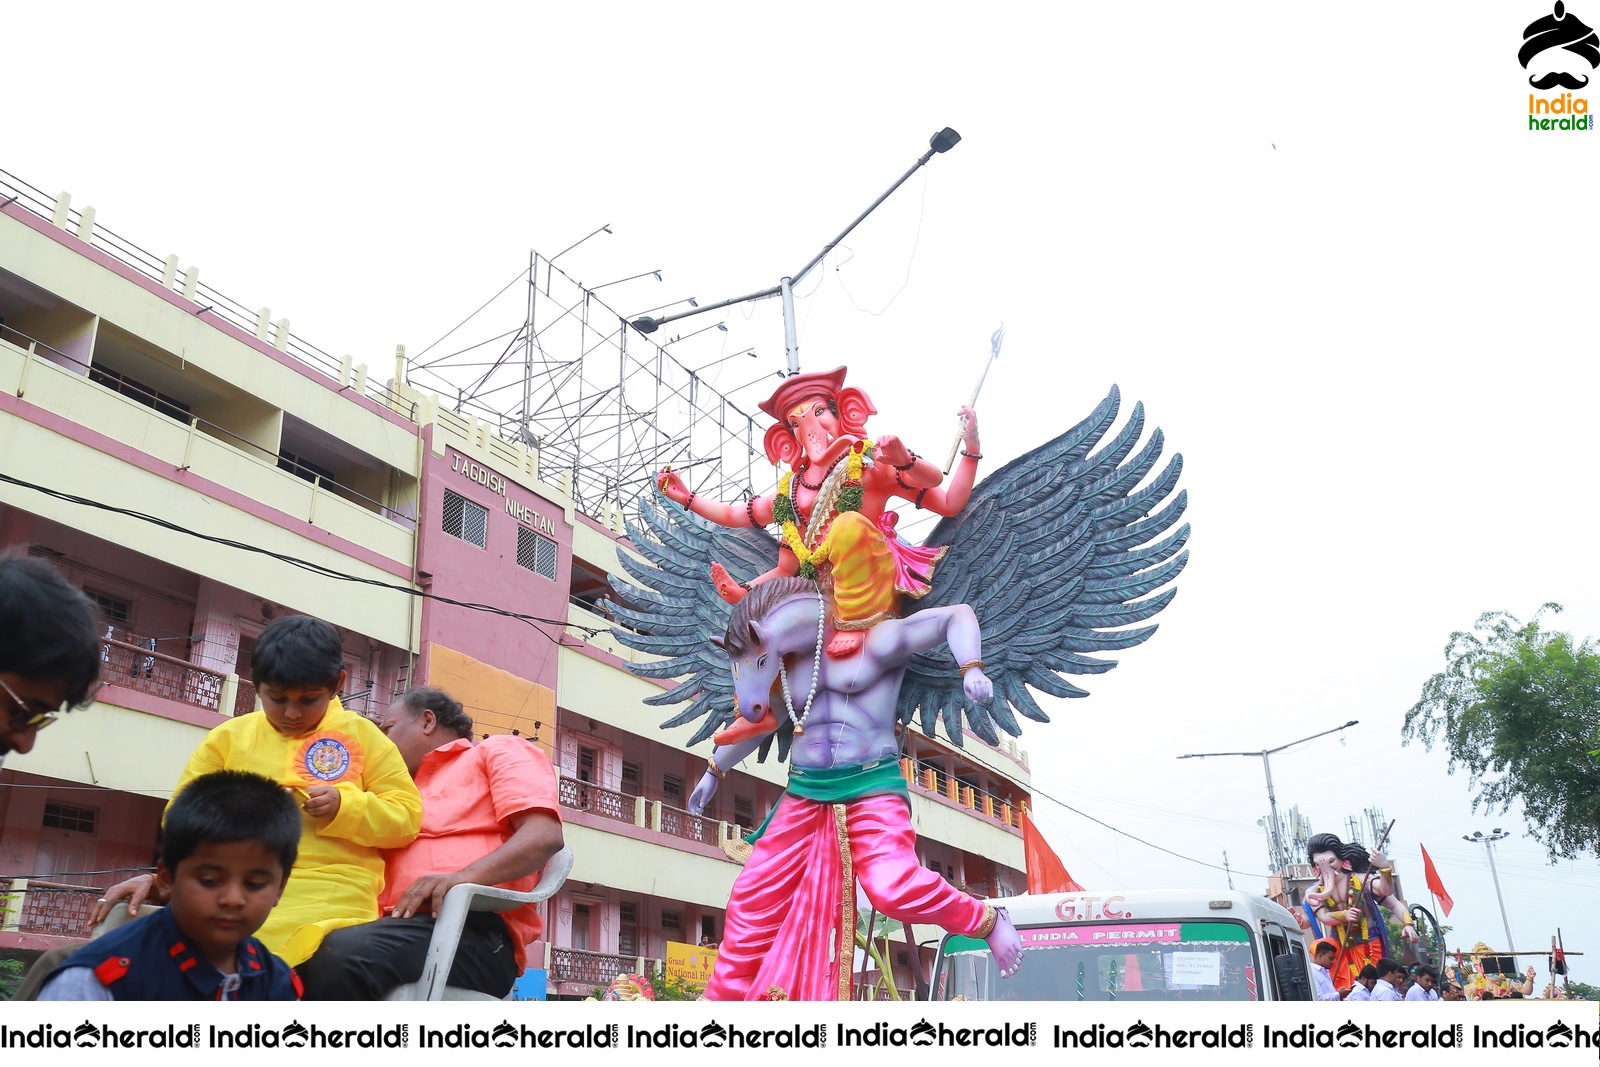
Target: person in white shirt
<point>1424,989</point>
<point>1361,988</point>
<point>1322,955</point>
<point>1391,976</point>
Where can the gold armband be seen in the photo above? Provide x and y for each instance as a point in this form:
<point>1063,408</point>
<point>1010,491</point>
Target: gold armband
<point>970,664</point>
<point>711,765</point>
<point>990,917</point>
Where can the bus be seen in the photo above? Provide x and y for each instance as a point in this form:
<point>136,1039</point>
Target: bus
<point>1138,945</point>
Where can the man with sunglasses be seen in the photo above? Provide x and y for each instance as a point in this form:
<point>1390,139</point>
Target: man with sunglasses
<point>49,650</point>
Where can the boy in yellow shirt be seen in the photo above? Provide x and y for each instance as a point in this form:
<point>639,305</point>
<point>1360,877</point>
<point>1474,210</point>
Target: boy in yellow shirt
<point>356,795</point>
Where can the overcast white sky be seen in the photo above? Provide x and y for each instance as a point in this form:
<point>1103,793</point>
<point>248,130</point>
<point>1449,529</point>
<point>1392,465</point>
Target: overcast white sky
<point>1321,246</point>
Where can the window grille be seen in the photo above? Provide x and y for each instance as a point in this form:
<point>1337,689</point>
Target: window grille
<point>112,609</point>
<point>536,552</point>
<point>672,786</point>
<point>672,921</point>
<point>466,520</point>
<point>68,817</point>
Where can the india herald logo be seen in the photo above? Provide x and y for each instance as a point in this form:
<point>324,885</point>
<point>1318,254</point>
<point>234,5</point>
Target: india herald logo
<point>1559,41</point>
<point>327,759</point>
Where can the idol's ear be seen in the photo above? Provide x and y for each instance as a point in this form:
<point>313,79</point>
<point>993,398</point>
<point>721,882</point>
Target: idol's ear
<point>781,446</point>
<point>756,635</point>
<point>854,408</point>
<point>719,642</point>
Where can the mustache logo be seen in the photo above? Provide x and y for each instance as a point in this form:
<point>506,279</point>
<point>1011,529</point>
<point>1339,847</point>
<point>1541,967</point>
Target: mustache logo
<point>1561,78</point>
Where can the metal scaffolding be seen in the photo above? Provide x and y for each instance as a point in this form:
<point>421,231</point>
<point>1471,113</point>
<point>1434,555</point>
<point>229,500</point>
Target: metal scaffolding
<point>601,402</point>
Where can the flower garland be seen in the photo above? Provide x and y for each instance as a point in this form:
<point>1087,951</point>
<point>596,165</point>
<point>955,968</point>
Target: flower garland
<point>787,515</point>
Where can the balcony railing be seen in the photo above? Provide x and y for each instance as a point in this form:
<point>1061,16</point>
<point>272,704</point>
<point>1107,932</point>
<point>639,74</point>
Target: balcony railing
<point>137,666</point>
<point>933,779</point>
<point>585,796</point>
<point>649,814</point>
<point>34,906</point>
<point>595,970</point>
<point>245,702</point>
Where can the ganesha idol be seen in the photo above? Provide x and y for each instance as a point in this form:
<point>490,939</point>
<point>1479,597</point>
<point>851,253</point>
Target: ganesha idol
<point>831,504</point>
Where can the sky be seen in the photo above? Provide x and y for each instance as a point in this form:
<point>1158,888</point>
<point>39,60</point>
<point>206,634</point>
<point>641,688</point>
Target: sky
<point>1319,244</point>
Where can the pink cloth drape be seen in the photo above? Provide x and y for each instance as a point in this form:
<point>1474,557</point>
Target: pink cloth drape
<point>785,922</point>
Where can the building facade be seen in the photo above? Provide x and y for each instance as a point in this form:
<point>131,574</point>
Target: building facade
<point>199,470</point>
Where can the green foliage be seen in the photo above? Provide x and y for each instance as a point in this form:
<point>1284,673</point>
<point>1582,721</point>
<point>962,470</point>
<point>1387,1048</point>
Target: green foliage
<point>1585,991</point>
<point>11,972</point>
<point>675,988</point>
<point>1519,707</point>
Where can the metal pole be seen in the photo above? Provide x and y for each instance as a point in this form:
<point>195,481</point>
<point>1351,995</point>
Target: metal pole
<point>1488,846</point>
<point>791,340</point>
<point>1279,860</point>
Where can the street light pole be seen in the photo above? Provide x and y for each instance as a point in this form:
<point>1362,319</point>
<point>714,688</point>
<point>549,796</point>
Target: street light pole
<point>1280,856</point>
<point>940,142</point>
<point>1478,837</point>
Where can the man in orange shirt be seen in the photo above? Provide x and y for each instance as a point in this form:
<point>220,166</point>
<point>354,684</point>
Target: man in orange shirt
<point>490,815</point>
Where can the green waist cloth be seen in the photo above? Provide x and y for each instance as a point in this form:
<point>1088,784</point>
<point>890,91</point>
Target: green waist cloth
<point>834,785</point>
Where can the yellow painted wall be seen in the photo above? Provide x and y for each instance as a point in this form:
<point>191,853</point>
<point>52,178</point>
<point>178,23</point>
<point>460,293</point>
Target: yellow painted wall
<point>497,700</point>
<point>38,455</point>
<point>639,867</point>
<point>114,748</point>
<point>64,272</point>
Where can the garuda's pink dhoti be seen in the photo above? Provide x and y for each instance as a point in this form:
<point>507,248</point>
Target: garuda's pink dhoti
<point>791,916</point>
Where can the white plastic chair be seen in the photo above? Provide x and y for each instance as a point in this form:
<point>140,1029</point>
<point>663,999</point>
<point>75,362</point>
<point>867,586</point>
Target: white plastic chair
<point>447,926</point>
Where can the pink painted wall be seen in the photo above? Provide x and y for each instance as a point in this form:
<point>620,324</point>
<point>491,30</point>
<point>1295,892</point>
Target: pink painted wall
<point>462,571</point>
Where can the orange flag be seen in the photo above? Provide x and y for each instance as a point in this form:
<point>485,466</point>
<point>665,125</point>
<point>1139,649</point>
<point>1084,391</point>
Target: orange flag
<point>1435,886</point>
<point>1046,872</point>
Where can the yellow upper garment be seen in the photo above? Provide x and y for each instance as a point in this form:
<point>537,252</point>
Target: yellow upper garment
<point>339,873</point>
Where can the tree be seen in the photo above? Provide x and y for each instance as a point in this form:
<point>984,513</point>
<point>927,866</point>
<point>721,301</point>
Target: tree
<point>1519,707</point>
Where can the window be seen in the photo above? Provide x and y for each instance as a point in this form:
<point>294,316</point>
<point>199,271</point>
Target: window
<point>304,468</point>
<point>586,761</point>
<point>672,922</point>
<point>68,817</point>
<point>536,552</point>
<point>628,929</point>
<point>630,778</point>
<point>113,609</point>
<point>466,520</point>
<point>744,811</point>
<point>672,787</point>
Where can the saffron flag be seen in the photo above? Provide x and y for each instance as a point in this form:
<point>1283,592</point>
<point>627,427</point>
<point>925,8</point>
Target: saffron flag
<point>1046,872</point>
<point>1435,886</point>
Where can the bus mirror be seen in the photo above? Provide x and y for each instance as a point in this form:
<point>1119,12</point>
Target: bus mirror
<point>1294,983</point>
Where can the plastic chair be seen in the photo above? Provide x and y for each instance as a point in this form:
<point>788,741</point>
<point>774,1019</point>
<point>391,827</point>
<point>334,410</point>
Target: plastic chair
<point>447,926</point>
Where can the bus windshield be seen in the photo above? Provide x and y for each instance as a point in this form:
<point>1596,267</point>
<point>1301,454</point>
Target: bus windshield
<point>1152,960</point>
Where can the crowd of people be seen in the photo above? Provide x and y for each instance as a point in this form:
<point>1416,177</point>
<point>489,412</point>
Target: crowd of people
<point>306,847</point>
<point>1389,979</point>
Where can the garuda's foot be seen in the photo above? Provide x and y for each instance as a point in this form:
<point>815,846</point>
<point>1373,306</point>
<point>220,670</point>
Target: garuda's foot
<point>1006,944</point>
<point>727,588</point>
<point>743,729</point>
<point>845,642</point>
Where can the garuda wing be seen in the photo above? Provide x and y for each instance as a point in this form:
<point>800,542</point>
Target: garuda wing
<point>669,607</point>
<point>1058,553</point>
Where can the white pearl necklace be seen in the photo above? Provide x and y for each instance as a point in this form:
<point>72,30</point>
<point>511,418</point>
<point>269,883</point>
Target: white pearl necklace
<point>816,673</point>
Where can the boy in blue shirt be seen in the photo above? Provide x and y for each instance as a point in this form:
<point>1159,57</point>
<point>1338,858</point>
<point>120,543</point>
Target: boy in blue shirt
<point>230,840</point>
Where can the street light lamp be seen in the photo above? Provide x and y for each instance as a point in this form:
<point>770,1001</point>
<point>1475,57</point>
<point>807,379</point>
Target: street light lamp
<point>1478,837</point>
<point>1280,856</point>
<point>942,141</point>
